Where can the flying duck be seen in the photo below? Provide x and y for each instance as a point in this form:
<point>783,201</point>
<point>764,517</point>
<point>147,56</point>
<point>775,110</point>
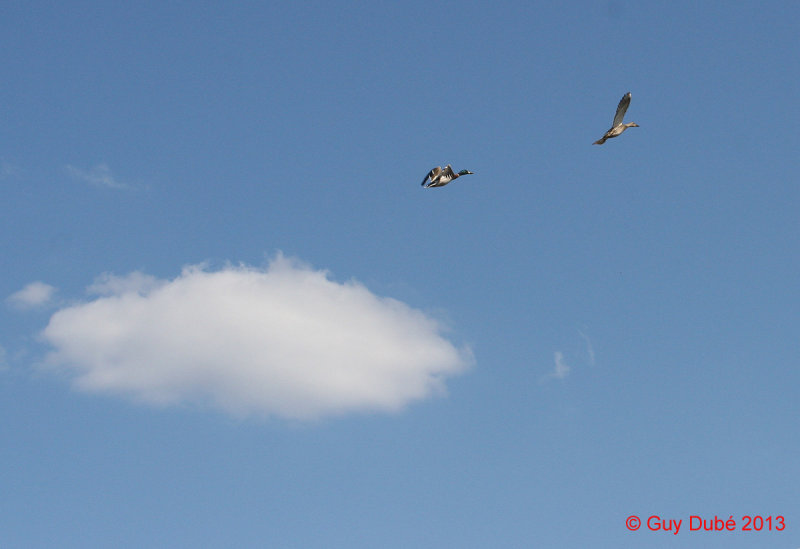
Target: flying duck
<point>617,127</point>
<point>439,177</point>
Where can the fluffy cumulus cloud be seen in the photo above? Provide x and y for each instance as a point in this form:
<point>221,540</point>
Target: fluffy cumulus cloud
<point>285,340</point>
<point>35,294</point>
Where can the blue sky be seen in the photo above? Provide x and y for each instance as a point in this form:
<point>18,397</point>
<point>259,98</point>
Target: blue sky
<point>231,317</point>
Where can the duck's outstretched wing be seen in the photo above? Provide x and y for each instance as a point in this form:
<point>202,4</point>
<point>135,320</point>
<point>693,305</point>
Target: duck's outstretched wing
<point>621,108</point>
<point>432,175</point>
<point>447,172</point>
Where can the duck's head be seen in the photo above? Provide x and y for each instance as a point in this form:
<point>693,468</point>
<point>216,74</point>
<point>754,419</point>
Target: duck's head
<point>632,125</point>
<point>465,172</point>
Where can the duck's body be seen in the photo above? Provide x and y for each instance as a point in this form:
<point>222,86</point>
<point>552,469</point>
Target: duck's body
<point>617,127</point>
<point>439,177</point>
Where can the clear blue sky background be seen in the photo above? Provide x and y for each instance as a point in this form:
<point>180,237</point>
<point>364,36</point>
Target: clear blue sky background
<point>632,309</point>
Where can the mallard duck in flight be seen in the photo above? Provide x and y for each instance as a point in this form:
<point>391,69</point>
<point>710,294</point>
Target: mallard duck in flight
<point>618,127</point>
<point>439,177</point>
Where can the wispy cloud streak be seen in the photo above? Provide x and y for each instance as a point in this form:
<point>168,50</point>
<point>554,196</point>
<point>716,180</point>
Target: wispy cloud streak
<point>8,170</point>
<point>560,369</point>
<point>99,175</point>
<point>589,347</point>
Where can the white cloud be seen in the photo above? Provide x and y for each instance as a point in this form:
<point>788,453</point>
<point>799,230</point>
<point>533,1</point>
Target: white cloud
<point>561,369</point>
<point>284,341</point>
<point>35,294</point>
<point>99,175</point>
